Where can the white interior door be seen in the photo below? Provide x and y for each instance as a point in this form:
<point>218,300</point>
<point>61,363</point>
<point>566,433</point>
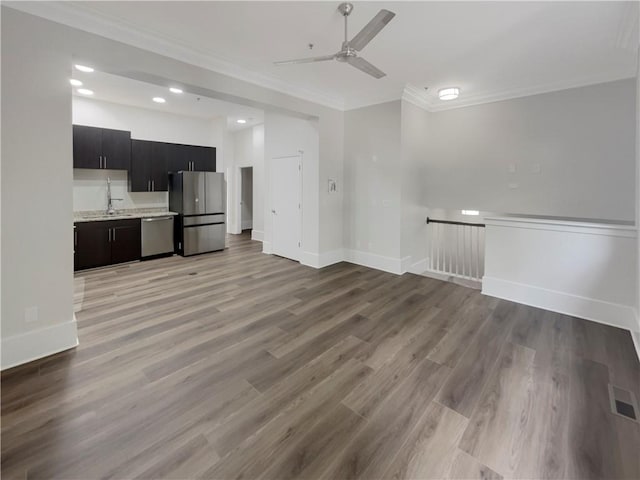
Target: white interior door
<point>286,206</point>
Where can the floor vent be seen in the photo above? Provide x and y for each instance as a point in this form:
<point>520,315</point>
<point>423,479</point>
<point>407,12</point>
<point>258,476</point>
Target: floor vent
<point>623,403</point>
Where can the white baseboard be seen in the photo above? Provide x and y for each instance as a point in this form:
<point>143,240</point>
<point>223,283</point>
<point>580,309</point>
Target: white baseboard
<point>257,235</point>
<point>636,342</point>
<point>322,260</point>
<point>418,267</point>
<point>26,347</point>
<point>266,247</point>
<point>613,314</point>
<point>371,260</point>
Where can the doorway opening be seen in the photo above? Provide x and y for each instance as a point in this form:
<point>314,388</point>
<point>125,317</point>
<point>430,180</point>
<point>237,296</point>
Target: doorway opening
<point>246,199</point>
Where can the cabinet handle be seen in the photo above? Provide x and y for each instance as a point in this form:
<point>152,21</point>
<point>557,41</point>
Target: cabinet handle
<point>114,234</point>
<point>105,161</point>
<point>148,185</point>
<point>75,238</point>
<point>109,235</point>
<point>153,185</point>
<point>100,160</point>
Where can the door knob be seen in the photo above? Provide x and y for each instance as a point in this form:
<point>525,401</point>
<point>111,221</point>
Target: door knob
<point>274,212</point>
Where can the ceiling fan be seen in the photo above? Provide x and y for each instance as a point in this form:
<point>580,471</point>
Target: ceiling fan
<point>349,50</point>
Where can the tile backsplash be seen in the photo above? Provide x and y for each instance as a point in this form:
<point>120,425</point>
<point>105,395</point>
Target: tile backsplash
<point>90,191</point>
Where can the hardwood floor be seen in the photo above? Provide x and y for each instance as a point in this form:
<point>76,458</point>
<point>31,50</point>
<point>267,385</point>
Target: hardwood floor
<point>243,365</point>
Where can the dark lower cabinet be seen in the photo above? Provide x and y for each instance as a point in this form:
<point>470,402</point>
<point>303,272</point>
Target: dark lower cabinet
<point>101,243</point>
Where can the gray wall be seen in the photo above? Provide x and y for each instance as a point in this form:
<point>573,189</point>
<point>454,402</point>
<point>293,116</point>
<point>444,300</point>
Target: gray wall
<point>372,179</point>
<point>37,219</point>
<point>583,139</point>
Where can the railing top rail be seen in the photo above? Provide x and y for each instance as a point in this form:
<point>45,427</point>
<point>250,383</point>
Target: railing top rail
<point>451,222</point>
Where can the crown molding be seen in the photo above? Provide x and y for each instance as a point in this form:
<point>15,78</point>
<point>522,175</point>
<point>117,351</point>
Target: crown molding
<point>83,17</point>
<point>89,20</point>
<point>431,103</point>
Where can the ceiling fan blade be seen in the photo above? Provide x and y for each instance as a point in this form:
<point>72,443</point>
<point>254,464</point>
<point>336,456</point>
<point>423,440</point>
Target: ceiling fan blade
<point>306,60</point>
<point>366,67</point>
<point>371,29</point>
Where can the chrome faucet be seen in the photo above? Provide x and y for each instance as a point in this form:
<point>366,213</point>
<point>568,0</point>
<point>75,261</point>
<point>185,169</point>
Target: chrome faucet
<point>110,209</point>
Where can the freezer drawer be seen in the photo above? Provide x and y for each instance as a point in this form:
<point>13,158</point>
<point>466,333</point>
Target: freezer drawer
<point>203,238</point>
<point>204,219</point>
<point>157,236</point>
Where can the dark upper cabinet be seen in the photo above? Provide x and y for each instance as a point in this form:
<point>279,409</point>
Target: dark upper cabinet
<point>179,159</point>
<point>159,171</point>
<point>87,147</point>
<point>191,158</point>
<point>149,166</point>
<point>116,149</point>
<point>140,171</point>
<point>101,148</point>
<point>203,159</point>
<point>101,243</point>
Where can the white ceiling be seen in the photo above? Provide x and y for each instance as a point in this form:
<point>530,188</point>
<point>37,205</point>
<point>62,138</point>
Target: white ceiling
<point>491,50</point>
<point>125,91</point>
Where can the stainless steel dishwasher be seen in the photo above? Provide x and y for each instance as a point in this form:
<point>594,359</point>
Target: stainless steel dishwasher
<point>157,236</point>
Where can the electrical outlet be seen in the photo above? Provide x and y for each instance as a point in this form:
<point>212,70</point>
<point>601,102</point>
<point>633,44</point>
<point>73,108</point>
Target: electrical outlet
<point>512,168</point>
<point>31,314</point>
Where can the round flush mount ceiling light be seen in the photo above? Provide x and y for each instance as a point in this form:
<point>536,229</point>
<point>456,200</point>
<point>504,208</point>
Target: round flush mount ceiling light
<point>450,93</point>
<point>75,83</point>
<point>159,99</point>
<point>241,121</point>
<point>84,68</point>
<point>85,91</point>
<point>175,90</point>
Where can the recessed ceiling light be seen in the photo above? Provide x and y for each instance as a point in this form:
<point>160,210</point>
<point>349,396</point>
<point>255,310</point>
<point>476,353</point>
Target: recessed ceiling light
<point>240,120</point>
<point>85,91</point>
<point>159,99</point>
<point>175,90</point>
<point>84,68</point>
<point>75,83</point>
<point>470,212</point>
<point>450,93</point>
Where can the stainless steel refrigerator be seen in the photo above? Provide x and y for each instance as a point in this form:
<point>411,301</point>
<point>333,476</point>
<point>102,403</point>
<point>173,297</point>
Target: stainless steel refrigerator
<point>200,199</point>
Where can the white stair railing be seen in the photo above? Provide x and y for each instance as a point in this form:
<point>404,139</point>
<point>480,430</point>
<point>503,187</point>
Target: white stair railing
<point>456,249</point>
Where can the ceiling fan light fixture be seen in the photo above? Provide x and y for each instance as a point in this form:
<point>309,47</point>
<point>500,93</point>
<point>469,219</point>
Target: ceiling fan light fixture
<point>449,93</point>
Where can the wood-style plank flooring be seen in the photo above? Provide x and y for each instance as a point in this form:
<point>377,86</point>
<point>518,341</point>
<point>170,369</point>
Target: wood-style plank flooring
<point>242,365</point>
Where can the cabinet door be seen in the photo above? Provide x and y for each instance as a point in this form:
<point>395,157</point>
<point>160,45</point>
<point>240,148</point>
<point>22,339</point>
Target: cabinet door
<point>116,149</point>
<point>87,147</point>
<point>178,157</point>
<point>125,241</point>
<point>160,166</point>
<point>204,159</point>
<point>140,171</point>
<point>92,246</point>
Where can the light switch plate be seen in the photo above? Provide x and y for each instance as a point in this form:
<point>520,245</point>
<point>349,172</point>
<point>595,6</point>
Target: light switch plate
<point>536,168</point>
<point>513,185</point>
<point>31,314</point>
<point>512,168</point>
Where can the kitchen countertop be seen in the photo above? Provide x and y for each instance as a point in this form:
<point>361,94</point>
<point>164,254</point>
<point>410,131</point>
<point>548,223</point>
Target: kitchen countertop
<point>100,215</point>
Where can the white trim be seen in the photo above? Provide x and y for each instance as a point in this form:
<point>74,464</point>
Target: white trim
<point>419,267</point>
<point>84,17</point>
<point>614,314</point>
<point>266,247</point>
<point>405,264</point>
<point>371,260</point>
<point>635,336</point>
<point>559,225</point>
<point>29,346</point>
<point>257,235</point>
<point>427,101</point>
<point>322,260</point>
